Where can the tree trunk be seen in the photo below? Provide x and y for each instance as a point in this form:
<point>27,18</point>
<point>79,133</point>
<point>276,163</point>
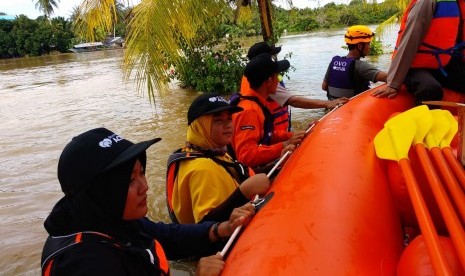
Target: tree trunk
<point>264,7</point>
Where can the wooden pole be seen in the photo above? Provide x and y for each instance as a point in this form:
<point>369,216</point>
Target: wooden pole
<point>264,7</point>
<point>461,133</point>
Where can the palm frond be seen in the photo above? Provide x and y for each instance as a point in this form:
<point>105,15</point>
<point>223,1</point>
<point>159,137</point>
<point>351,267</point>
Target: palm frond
<point>152,37</point>
<point>94,15</point>
<point>47,6</point>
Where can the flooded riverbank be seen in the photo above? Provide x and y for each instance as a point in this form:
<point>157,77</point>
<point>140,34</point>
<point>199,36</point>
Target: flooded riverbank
<point>45,101</point>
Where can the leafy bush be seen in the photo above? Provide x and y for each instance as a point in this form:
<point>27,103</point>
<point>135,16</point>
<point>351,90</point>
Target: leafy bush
<point>210,65</point>
<point>376,48</point>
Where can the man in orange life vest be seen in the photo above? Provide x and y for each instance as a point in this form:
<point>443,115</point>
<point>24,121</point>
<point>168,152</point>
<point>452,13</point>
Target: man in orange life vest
<point>256,142</point>
<point>99,226</point>
<point>429,51</point>
<point>283,97</point>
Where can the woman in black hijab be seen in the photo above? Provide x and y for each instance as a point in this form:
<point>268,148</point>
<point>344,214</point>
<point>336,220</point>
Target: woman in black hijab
<point>99,226</point>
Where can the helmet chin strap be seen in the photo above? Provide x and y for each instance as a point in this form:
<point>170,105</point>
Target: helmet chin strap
<point>360,52</point>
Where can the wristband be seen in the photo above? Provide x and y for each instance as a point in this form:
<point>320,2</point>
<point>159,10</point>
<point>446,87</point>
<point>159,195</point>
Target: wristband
<point>215,231</point>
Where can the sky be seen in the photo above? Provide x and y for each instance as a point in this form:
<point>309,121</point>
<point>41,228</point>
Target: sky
<point>27,7</point>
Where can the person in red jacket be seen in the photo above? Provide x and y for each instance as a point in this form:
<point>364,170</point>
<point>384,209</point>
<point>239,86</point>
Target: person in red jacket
<point>99,226</point>
<point>429,51</point>
<point>256,143</point>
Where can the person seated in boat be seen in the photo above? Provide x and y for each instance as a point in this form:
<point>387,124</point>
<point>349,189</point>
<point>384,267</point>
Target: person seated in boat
<point>348,76</point>
<point>99,226</point>
<point>283,98</point>
<point>256,143</point>
<point>429,51</point>
<point>203,181</point>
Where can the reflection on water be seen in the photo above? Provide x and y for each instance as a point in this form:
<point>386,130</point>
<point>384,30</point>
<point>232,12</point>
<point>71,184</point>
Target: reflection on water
<point>45,101</point>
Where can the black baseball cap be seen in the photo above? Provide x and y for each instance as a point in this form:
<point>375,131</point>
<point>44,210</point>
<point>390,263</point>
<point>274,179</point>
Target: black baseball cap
<point>260,48</point>
<point>92,153</point>
<point>261,67</point>
<point>209,103</point>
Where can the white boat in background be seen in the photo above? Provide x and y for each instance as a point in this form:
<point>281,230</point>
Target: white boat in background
<point>88,47</point>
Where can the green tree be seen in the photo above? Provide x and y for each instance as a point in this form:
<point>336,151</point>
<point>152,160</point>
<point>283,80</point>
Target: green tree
<point>23,33</point>
<point>154,28</point>
<point>7,43</point>
<point>28,37</point>
<point>62,34</point>
<point>47,6</point>
<point>399,6</point>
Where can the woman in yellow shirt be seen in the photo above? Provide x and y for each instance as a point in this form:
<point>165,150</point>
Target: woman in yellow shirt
<point>208,183</point>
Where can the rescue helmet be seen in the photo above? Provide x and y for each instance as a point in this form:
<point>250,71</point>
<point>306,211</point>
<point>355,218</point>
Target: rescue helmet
<point>358,34</point>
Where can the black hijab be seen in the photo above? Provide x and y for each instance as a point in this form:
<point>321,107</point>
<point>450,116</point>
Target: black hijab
<point>99,207</point>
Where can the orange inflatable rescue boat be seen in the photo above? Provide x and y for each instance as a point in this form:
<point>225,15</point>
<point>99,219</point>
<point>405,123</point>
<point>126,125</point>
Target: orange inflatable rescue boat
<point>355,198</point>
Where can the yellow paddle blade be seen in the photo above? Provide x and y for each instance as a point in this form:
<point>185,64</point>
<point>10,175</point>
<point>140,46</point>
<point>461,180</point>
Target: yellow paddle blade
<point>439,129</point>
<point>423,118</point>
<point>394,140</point>
<point>453,128</point>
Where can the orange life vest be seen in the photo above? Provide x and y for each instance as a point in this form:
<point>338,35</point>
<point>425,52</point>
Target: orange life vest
<point>281,116</point>
<point>440,41</point>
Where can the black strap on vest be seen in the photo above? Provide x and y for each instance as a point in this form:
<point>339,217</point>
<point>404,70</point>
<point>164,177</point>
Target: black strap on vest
<point>241,172</point>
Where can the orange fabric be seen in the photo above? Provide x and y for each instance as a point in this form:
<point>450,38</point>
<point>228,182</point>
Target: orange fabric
<point>442,33</point>
<point>48,268</point>
<point>78,238</point>
<point>164,265</point>
<point>170,184</point>
<point>245,86</point>
<point>248,131</point>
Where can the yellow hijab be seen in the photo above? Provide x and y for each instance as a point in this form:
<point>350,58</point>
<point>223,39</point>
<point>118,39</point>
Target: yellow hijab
<point>198,133</point>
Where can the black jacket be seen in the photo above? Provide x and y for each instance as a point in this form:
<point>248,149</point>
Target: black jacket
<point>100,208</point>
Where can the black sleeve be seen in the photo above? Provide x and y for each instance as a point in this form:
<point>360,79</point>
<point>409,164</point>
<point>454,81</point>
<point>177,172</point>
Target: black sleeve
<point>223,211</point>
<point>181,241</point>
<point>90,258</point>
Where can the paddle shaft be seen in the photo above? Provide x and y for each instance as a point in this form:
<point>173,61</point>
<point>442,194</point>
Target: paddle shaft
<point>425,222</point>
<point>450,180</point>
<point>451,219</point>
<point>455,165</point>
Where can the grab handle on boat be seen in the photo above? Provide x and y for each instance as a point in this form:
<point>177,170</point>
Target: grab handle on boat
<point>255,201</point>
